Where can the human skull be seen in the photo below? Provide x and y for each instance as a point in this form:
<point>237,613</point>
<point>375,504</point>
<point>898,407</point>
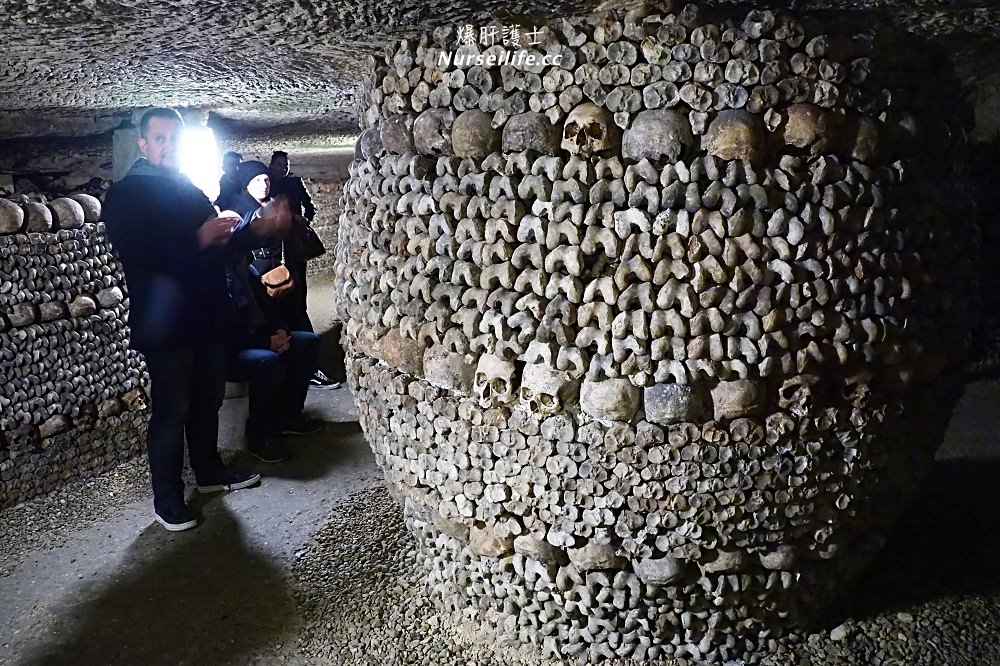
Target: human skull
<point>798,394</point>
<point>494,383</point>
<point>735,135</point>
<point>87,418</point>
<point>737,398</point>
<point>809,127</point>
<point>473,135</point>
<point>656,134</point>
<point>612,399</point>
<point>448,370</point>
<point>545,390</point>
<point>67,213</point>
<point>135,400</point>
<point>11,217</point>
<point>23,437</point>
<point>857,389</point>
<point>91,206</point>
<point>371,143</point>
<point>396,134</point>
<point>674,403</point>
<point>530,131</point>
<point>859,139</point>
<point>37,217</point>
<point>432,132</point>
<point>589,130</point>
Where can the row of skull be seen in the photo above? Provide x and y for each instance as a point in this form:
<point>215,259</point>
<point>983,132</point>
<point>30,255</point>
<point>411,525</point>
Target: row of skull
<point>589,131</point>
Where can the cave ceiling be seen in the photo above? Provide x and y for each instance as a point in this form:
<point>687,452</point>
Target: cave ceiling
<point>74,67</point>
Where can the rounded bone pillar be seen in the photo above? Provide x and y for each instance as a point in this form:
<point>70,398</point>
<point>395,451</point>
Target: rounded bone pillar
<point>659,394</point>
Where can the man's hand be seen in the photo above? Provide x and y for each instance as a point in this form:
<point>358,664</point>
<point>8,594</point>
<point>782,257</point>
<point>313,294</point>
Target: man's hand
<point>216,231</point>
<point>274,220</point>
<point>280,341</point>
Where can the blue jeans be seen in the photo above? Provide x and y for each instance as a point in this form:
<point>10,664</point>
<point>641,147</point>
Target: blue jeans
<point>278,382</point>
<point>187,387</point>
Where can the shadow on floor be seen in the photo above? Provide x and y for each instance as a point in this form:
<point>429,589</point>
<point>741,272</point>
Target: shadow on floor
<point>196,597</point>
<point>946,545</point>
<point>314,456</point>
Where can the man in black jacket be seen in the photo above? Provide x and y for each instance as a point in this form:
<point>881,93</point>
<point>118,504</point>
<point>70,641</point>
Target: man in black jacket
<point>172,245</point>
<point>284,182</point>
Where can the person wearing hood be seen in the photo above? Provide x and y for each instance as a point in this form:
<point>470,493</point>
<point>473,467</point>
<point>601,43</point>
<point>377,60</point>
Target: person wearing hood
<point>267,351</point>
<point>253,178</point>
<point>172,245</point>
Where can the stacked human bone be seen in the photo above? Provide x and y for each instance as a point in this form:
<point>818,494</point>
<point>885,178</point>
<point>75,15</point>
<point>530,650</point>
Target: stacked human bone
<point>654,343</point>
<point>72,400</point>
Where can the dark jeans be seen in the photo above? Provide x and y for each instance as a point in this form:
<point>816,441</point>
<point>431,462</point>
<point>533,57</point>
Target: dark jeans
<point>187,387</point>
<point>278,382</point>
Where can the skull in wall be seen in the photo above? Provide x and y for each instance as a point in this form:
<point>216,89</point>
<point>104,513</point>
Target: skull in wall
<point>67,213</point>
<point>22,438</point>
<point>371,143</point>
<point>494,382</point>
<point>589,130</point>
<point>135,400</point>
<point>432,132</point>
<point>809,127</point>
<point>857,389</point>
<point>798,394</point>
<point>396,134</point>
<point>656,134</point>
<point>473,135</point>
<point>11,217</point>
<point>735,135</point>
<point>546,390</point>
<point>91,206</point>
<point>859,138</point>
<point>530,131</point>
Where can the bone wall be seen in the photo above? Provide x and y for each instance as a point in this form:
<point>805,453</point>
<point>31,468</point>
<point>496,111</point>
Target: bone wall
<point>653,343</point>
<point>72,400</point>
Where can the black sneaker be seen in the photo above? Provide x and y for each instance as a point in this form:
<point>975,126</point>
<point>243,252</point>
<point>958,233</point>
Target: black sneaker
<point>268,450</point>
<point>229,479</point>
<point>176,517</point>
<point>320,380</point>
<point>301,425</point>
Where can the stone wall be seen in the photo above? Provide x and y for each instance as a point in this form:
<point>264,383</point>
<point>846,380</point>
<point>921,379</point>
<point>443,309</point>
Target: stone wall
<point>654,342</point>
<point>72,400</point>
<point>325,182</point>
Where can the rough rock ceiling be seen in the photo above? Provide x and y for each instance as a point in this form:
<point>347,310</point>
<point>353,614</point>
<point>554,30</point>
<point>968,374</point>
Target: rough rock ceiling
<point>69,67</point>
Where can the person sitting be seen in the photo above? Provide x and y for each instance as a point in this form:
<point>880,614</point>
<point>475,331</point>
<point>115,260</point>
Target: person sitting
<point>274,358</point>
<point>229,184</point>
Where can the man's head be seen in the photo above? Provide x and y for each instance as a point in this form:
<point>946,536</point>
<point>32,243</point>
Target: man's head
<point>231,162</point>
<point>159,137</point>
<point>279,164</point>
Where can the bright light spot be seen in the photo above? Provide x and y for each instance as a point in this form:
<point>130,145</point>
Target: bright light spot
<point>200,160</point>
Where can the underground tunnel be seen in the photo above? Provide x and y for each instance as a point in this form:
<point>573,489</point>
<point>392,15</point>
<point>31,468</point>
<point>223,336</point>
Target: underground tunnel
<point>648,333</point>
